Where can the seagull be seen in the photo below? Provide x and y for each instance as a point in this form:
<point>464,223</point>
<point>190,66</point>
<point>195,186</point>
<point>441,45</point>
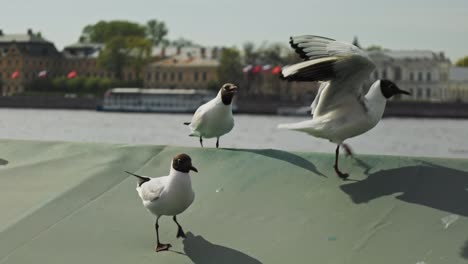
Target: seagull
<point>214,118</point>
<point>341,109</point>
<point>168,195</point>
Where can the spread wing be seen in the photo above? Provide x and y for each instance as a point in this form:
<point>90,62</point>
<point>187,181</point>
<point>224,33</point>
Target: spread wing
<point>314,104</point>
<point>343,65</point>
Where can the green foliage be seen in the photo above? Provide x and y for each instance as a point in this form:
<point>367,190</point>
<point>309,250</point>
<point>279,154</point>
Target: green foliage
<point>356,42</point>
<point>104,31</point>
<point>251,55</point>
<point>126,43</point>
<point>268,53</point>
<point>374,48</point>
<point>463,62</point>
<point>121,52</point>
<point>230,66</point>
<point>156,31</point>
<point>213,85</point>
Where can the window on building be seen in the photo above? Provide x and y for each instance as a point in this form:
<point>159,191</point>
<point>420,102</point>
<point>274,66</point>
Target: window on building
<point>129,76</point>
<point>156,77</point>
<point>164,76</point>
<point>195,76</point>
<point>428,76</point>
<point>419,93</point>
<point>420,76</point>
<point>397,72</point>
<point>204,76</point>
<point>411,91</point>
<point>180,76</point>
<point>172,76</point>
<point>428,93</point>
<point>148,76</point>
<point>411,76</point>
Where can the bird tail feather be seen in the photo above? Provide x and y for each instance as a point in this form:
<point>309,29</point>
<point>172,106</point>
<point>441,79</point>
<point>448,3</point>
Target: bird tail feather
<point>305,126</point>
<point>141,179</point>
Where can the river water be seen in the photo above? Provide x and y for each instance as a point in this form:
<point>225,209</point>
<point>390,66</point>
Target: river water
<point>392,136</point>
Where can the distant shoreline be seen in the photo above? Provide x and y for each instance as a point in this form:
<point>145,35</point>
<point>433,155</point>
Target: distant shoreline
<point>255,106</point>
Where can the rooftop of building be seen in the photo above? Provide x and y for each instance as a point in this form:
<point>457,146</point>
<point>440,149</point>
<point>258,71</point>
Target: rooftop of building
<point>409,54</point>
<point>29,37</point>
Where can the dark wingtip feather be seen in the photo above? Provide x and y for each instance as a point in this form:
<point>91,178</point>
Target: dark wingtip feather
<point>186,123</point>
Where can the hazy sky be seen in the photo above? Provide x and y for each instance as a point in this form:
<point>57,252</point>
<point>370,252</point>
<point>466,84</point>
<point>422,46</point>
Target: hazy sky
<point>396,24</point>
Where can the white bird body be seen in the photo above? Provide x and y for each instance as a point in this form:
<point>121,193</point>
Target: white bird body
<point>167,195</point>
<point>349,118</point>
<point>212,119</point>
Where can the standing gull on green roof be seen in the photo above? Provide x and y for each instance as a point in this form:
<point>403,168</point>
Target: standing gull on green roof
<point>214,118</point>
<point>168,195</point>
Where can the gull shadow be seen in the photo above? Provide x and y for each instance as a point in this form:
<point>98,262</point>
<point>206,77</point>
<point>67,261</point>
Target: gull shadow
<point>464,251</point>
<point>201,251</point>
<point>433,186</point>
<point>284,156</point>
<point>3,162</point>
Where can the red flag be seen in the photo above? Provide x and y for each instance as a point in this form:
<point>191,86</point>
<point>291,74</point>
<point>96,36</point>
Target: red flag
<point>15,75</point>
<point>276,70</point>
<point>256,69</point>
<point>71,74</point>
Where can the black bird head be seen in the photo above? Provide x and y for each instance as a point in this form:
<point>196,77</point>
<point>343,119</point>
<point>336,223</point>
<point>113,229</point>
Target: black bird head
<point>183,163</point>
<point>390,89</point>
<point>228,90</point>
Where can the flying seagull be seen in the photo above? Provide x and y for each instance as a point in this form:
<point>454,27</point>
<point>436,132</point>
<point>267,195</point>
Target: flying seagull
<point>168,195</point>
<point>214,118</point>
<point>341,109</point>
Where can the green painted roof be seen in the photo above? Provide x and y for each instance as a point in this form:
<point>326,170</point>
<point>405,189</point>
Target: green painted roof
<point>72,203</point>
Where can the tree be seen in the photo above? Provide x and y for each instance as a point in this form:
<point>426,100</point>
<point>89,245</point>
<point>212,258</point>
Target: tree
<point>356,42</point>
<point>125,42</point>
<point>374,48</point>
<point>104,31</point>
<point>156,31</point>
<point>272,54</point>
<point>230,66</point>
<point>463,62</point>
<point>250,53</point>
<point>121,52</point>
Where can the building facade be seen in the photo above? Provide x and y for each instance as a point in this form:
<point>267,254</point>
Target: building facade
<point>23,57</point>
<point>458,85</point>
<point>182,68</point>
<point>424,73</point>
